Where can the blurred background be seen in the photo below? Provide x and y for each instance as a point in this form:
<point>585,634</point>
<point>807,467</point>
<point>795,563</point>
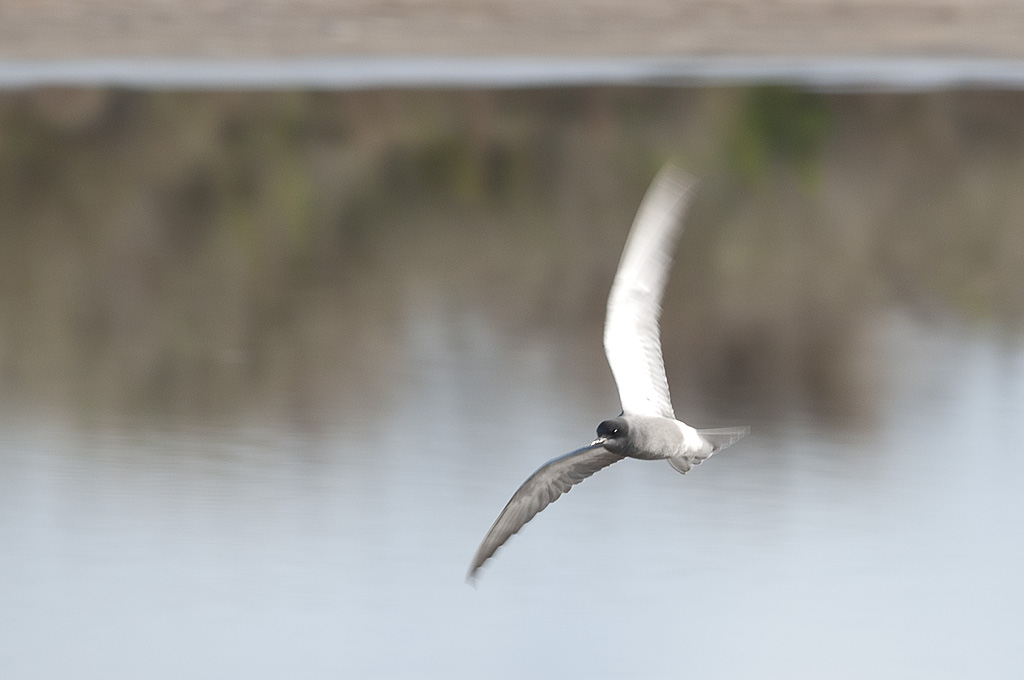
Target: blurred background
<point>271,362</point>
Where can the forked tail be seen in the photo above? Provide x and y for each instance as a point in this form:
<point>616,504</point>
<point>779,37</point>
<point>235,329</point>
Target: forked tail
<point>719,439</point>
<point>724,437</point>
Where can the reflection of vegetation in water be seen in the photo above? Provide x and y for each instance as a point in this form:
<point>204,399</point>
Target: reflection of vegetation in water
<point>198,251</point>
<point>780,125</point>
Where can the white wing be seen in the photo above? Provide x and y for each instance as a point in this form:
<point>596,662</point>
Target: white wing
<point>542,488</point>
<point>631,338</point>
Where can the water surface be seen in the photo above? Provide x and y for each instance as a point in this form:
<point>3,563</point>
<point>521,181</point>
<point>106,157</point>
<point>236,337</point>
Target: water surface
<point>889,73</point>
<point>271,364</point>
<point>256,549</point>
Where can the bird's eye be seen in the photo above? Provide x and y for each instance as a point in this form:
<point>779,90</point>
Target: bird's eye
<point>610,428</point>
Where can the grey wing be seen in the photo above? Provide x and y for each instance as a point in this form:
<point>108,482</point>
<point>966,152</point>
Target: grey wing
<point>542,488</point>
<point>632,341</point>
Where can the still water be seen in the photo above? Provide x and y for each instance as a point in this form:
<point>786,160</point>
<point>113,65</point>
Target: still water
<point>272,363</point>
<point>903,74</point>
<point>270,548</point>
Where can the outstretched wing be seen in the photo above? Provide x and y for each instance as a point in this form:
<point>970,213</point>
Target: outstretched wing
<point>542,488</point>
<point>631,339</point>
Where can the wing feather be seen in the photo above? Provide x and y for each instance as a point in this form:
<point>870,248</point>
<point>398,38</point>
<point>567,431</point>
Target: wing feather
<point>631,337</point>
<point>543,487</point>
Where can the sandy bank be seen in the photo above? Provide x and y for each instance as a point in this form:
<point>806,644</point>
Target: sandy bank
<point>271,29</point>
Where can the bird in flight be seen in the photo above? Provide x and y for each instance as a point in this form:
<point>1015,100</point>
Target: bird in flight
<point>647,428</point>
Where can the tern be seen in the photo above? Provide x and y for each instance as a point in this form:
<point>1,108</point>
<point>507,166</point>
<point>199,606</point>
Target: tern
<point>647,428</point>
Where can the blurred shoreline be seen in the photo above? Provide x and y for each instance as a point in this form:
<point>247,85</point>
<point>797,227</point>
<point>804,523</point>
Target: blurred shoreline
<point>199,252</point>
<point>272,29</point>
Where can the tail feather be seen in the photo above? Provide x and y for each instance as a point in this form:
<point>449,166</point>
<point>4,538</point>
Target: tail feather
<point>724,437</point>
<point>719,439</point>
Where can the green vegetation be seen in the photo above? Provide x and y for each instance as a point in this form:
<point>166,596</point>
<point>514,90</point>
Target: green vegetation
<point>780,126</point>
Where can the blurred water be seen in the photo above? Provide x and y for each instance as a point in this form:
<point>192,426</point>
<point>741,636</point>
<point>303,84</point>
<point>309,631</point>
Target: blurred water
<point>271,363</point>
<point>896,73</point>
<point>888,548</point>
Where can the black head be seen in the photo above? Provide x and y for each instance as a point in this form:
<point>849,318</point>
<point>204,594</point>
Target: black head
<point>612,434</point>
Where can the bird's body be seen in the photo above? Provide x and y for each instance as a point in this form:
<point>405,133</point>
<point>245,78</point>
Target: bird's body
<point>657,437</point>
<point>647,429</point>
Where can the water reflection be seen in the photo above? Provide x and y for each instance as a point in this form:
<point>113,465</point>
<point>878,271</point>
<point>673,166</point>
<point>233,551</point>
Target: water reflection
<point>259,412</point>
<point>251,549</point>
<point>204,253</point>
